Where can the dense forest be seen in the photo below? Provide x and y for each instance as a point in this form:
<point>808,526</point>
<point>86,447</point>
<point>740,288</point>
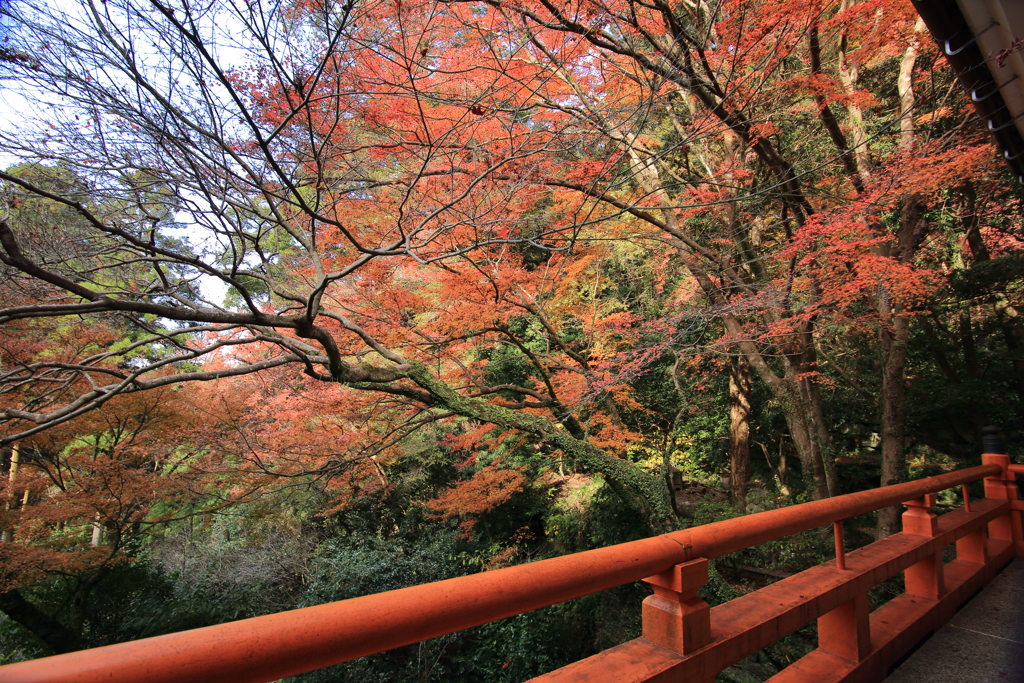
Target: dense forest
<point>303,300</point>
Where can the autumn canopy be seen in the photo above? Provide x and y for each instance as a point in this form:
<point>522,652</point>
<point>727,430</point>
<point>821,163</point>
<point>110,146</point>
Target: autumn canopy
<point>431,258</point>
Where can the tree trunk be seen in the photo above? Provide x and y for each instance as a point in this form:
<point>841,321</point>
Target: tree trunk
<point>894,333</point>
<point>823,438</point>
<point>894,361</point>
<point>797,408</point>
<point>817,427</point>
<point>7,535</point>
<point>54,634</point>
<point>97,532</point>
<point>740,385</point>
<point>801,408</point>
<point>894,325</point>
<point>797,405</point>
<point>811,464</point>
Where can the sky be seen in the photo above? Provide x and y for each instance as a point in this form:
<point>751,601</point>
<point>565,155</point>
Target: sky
<point>14,105</point>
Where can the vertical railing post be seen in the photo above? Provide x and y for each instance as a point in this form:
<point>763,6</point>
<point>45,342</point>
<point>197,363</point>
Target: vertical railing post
<point>846,630</point>
<point>1004,487</point>
<point>973,547</point>
<point>837,533</point>
<point>674,617</point>
<point>926,578</point>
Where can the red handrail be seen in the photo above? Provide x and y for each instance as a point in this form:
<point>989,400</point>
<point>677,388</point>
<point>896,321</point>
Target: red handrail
<point>288,643</point>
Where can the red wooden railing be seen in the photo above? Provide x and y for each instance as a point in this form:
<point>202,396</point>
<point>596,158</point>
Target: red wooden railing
<point>682,637</point>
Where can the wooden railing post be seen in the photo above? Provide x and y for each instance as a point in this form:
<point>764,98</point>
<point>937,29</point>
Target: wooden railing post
<point>924,579</point>
<point>846,630</point>
<point>973,547</point>
<point>674,617</point>
<point>1004,487</point>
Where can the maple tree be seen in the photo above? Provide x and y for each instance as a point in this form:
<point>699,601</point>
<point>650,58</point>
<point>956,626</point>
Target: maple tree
<point>417,262</point>
<point>89,491</point>
<point>418,202</point>
<point>737,132</point>
<point>361,219</point>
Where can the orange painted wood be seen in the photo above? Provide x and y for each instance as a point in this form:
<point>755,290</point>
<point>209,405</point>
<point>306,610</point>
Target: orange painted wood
<point>674,617</point>
<point>973,547</point>
<point>636,661</point>
<point>924,579</point>
<point>918,519</point>
<point>751,622</point>
<point>1001,485</point>
<point>279,645</point>
<point>846,630</point>
<point>898,626</point>
<point>837,534</point>
<point>817,667</point>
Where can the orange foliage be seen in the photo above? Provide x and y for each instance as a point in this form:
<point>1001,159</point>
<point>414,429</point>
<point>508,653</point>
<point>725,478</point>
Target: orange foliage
<point>471,499</point>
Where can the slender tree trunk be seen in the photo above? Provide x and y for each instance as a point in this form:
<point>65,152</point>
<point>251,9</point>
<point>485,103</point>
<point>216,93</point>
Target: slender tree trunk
<point>894,333</point>
<point>779,473</point>
<point>817,427</point>
<point>7,535</point>
<point>740,385</point>
<point>802,409</point>
<point>797,408</point>
<point>894,328</point>
<point>97,532</point>
<point>905,89</point>
<point>849,74</point>
<point>783,467</point>
<point>813,469</point>
<point>894,358</point>
<point>823,438</point>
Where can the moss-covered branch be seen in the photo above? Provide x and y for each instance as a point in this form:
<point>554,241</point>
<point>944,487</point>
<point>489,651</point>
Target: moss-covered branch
<point>640,490</point>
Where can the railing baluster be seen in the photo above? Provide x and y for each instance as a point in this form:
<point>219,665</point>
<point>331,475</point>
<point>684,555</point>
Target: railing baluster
<point>996,487</point>
<point>837,531</point>
<point>846,630</point>
<point>926,578</point>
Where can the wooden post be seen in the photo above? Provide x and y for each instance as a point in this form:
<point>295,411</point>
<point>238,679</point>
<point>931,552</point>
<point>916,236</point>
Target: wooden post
<point>1003,487</point>
<point>674,617</point>
<point>973,547</point>
<point>846,630</point>
<point>837,532</point>
<point>924,579</point>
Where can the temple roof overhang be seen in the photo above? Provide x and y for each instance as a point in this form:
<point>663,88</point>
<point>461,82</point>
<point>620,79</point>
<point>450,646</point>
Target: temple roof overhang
<point>984,42</point>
